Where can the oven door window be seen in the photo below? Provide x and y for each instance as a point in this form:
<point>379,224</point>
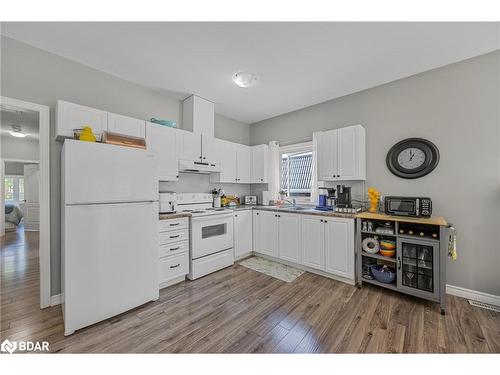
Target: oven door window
<point>213,230</point>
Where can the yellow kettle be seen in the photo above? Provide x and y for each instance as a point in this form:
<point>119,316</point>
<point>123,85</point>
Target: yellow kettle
<point>87,135</point>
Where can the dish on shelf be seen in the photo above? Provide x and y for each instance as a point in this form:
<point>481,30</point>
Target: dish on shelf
<point>370,245</point>
<point>387,245</point>
<point>383,273</point>
<point>388,253</point>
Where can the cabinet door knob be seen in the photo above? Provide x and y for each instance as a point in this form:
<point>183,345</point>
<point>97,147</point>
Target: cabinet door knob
<point>321,220</point>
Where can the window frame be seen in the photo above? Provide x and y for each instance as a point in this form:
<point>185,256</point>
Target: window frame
<point>294,149</point>
<point>16,179</point>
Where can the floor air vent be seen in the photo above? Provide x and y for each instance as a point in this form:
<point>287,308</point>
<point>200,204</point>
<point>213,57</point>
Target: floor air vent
<point>485,306</point>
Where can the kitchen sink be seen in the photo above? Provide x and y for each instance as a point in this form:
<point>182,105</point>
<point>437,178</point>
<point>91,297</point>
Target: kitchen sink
<point>293,208</point>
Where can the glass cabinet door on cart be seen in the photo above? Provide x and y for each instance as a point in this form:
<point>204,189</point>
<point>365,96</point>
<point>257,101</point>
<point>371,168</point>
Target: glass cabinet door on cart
<point>418,267</point>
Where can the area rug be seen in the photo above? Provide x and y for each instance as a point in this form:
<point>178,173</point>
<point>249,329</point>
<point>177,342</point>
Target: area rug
<point>273,269</point>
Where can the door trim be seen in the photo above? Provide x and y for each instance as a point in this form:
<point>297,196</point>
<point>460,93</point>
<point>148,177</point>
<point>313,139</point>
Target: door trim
<point>44,192</point>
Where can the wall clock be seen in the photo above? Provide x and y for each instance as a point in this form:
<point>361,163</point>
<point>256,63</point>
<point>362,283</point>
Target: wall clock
<point>412,158</point>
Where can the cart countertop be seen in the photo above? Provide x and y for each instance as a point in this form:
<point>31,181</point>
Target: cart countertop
<point>433,220</point>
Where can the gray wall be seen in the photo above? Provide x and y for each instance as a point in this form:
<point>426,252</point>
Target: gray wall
<point>14,168</point>
<point>37,76</point>
<point>19,148</point>
<point>231,130</point>
<point>457,108</point>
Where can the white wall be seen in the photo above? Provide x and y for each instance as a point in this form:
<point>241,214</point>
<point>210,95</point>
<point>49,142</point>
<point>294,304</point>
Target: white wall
<point>14,168</point>
<point>37,76</point>
<point>19,148</point>
<point>456,107</point>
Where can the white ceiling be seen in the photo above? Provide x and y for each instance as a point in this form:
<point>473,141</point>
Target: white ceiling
<point>297,64</point>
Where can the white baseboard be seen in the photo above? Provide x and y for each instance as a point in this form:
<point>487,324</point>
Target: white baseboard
<point>56,300</point>
<point>473,294</point>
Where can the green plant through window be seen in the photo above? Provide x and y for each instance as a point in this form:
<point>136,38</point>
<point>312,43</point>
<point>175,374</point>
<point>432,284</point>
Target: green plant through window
<point>14,188</point>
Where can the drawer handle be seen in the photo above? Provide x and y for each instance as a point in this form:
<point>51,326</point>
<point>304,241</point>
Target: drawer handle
<point>175,236</point>
<point>175,248</point>
<point>174,224</point>
<point>177,265</point>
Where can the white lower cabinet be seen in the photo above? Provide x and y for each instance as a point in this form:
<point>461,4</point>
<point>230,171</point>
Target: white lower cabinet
<point>313,242</point>
<point>318,242</point>
<point>277,235</point>
<point>289,237</point>
<point>242,233</point>
<point>172,268</point>
<point>173,251</point>
<point>266,233</point>
<point>339,247</point>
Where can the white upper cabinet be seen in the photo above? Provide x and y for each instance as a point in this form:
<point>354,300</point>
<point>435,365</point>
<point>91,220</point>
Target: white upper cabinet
<point>339,247</point>
<point>225,155</point>
<point>327,155</point>
<point>199,115</point>
<point>234,160</point>
<point>70,116</point>
<point>244,164</point>
<point>188,145</point>
<point>342,154</point>
<point>161,142</point>
<point>289,237</point>
<point>208,149</point>
<point>352,157</point>
<point>259,164</point>
<point>126,125</point>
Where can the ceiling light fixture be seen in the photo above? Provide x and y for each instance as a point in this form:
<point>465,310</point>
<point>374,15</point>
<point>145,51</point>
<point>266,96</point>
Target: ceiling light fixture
<point>16,129</point>
<point>17,132</point>
<point>244,79</point>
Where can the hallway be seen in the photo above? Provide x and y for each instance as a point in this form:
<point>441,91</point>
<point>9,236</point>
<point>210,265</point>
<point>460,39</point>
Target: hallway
<point>20,313</point>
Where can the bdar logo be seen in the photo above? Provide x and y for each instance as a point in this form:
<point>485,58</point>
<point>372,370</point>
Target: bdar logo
<point>8,346</point>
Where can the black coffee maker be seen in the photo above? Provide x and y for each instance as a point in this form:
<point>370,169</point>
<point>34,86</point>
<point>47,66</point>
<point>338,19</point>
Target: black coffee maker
<point>344,196</point>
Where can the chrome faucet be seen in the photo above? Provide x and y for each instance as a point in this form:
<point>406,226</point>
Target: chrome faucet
<point>293,202</point>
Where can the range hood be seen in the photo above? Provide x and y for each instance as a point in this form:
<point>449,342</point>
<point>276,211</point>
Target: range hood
<point>190,166</point>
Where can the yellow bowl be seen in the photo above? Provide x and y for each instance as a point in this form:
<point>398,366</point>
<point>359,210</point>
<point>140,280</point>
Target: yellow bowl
<point>388,253</point>
<point>387,245</point>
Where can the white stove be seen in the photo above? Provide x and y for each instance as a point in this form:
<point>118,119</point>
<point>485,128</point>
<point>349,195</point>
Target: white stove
<point>198,204</point>
<point>211,234</point>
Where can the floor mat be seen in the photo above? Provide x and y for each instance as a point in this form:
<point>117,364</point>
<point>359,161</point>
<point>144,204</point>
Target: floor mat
<point>273,269</point>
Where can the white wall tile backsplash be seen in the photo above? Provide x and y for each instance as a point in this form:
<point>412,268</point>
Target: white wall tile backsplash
<point>200,183</point>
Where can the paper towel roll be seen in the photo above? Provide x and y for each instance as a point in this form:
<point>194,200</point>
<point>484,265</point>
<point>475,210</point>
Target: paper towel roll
<point>265,198</point>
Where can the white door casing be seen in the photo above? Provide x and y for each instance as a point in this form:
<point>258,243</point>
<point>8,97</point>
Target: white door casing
<point>44,192</point>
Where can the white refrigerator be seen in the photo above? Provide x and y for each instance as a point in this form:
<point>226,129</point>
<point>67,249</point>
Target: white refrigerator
<point>109,231</point>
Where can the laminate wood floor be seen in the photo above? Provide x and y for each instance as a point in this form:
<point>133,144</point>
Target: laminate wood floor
<point>238,310</point>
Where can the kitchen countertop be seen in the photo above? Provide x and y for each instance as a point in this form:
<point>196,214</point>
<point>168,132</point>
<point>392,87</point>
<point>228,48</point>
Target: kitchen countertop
<point>307,211</point>
<point>433,220</point>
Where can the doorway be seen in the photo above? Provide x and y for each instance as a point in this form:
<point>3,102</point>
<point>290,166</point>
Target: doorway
<point>25,193</point>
